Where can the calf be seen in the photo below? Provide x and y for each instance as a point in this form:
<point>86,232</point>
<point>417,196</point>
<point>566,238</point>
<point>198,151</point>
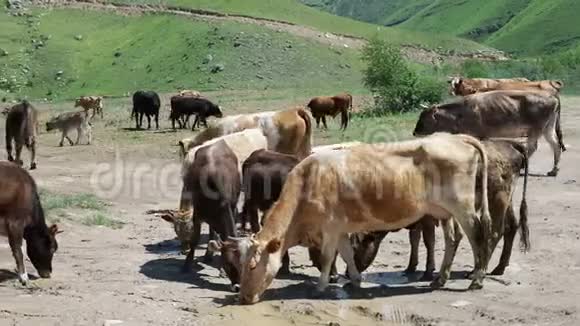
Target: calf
<point>370,188</point>
<point>66,122</point>
<point>21,130</point>
<point>506,159</point>
<point>185,106</point>
<point>215,182</point>
<point>322,106</point>
<point>88,103</point>
<point>499,114</point>
<point>22,217</point>
<point>146,103</point>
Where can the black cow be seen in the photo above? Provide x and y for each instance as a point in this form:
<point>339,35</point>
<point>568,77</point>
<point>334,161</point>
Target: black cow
<point>182,107</point>
<point>216,185</point>
<point>146,103</point>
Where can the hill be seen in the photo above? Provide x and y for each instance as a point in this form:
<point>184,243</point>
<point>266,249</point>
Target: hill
<point>63,53</point>
<point>527,27</point>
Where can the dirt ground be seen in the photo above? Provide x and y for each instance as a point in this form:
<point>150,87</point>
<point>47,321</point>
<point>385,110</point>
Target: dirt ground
<point>131,276</point>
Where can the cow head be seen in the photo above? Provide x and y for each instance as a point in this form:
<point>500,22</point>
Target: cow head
<point>230,259</point>
<point>78,102</point>
<point>40,247</point>
<point>184,146</point>
<point>183,226</point>
<point>216,111</point>
<point>435,119</point>
<point>259,262</point>
<point>52,124</point>
<point>455,84</point>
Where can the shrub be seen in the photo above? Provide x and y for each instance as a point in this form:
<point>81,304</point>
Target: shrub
<point>395,85</point>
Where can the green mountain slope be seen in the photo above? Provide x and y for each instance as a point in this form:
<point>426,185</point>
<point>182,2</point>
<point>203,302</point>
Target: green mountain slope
<point>66,53</point>
<point>528,27</point>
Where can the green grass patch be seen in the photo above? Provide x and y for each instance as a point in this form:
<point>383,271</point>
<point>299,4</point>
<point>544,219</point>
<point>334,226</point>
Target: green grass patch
<point>101,219</point>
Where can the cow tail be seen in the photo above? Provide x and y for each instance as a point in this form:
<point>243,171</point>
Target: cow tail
<point>344,118</point>
<point>485,217</point>
<point>524,229</point>
<point>37,211</point>
<point>558,127</point>
<point>306,147</point>
<point>29,127</point>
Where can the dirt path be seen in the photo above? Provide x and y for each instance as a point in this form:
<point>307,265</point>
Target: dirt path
<point>413,52</point>
<point>131,276</point>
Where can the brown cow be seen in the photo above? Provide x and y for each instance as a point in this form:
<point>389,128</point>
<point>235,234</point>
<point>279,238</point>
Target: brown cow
<point>22,217</point>
<point>460,86</point>
<point>506,159</point>
<point>370,188</point>
<point>88,103</point>
<point>22,130</point>
<point>322,106</point>
<point>499,114</point>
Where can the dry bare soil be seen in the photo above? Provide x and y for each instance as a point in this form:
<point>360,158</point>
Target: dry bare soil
<point>131,275</point>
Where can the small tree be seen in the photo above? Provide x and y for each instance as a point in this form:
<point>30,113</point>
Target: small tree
<point>395,85</point>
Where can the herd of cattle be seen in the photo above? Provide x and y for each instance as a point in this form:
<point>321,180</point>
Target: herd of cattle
<point>335,199</point>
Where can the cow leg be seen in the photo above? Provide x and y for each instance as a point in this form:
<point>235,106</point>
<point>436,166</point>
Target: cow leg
<point>414,239</point>
<point>15,236</point>
<point>19,146</point>
<point>141,120</point>
<point>347,254</point>
<point>445,270</point>
<point>137,125</point>
<point>252,215</point>
<point>89,131</point>
<point>472,227</point>
<point>195,122</point>
<point>552,139</point>
<point>193,242</point>
<point>32,149</point>
<point>511,228</point>
<point>285,269</point>
<point>79,135</point>
<point>428,228</point>
<point>207,258</point>
<point>317,122</point>
<point>324,122</point>
<point>148,121</point>
<point>9,146</point>
<point>157,120</point>
<point>327,253</point>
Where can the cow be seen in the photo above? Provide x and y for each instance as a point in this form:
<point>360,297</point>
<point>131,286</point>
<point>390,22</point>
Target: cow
<point>225,126</point>
<point>243,144</point>
<point>322,106</point>
<point>146,103</point>
<point>182,107</point>
<point>68,121</point>
<point>22,217</point>
<point>499,114</point>
<point>187,92</point>
<point>334,147</point>
<point>287,131</point>
<point>21,130</point>
<point>459,86</point>
<point>505,161</point>
<point>215,184</point>
<point>88,103</point>
<point>370,188</point>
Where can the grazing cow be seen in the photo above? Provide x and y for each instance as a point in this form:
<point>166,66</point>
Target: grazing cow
<point>145,103</point>
<point>21,130</point>
<point>66,122</point>
<point>88,103</point>
<point>182,107</point>
<point>326,105</point>
<point>225,126</point>
<point>190,93</point>
<point>243,144</point>
<point>506,159</point>
<point>22,217</point>
<point>460,86</point>
<point>370,188</point>
<point>499,114</point>
<point>215,183</point>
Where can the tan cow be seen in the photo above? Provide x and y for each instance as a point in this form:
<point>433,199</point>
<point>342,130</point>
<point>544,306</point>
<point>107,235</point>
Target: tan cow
<point>88,103</point>
<point>499,114</point>
<point>68,121</point>
<point>187,92</point>
<point>21,130</point>
<point>460,86</point>
<point>370,188</point>
<point>322,106</point>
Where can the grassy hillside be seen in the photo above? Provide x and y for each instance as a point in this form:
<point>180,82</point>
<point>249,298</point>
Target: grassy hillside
<point>66,53</point>
<point>528,27</point>
<point>295,12</point>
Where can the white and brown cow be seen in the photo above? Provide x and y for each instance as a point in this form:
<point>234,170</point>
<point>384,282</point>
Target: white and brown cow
<point>460,86</point>
<point>88,103</point>
<point>496,114</point>
<point>370,188</point>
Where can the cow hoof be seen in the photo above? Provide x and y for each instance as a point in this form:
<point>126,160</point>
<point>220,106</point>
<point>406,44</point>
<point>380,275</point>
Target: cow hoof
<point>333,279</point>
<point>19,162</point>
<point>498,271</point>
<point>438,283</point>
<point>23,278</point>
<point>427,276</point>
<point>33,166</point>
<point>470,275</point>
<point>553,173</point>
<point>284,271</point>
<point>10,159</point>
<point>476,285</point>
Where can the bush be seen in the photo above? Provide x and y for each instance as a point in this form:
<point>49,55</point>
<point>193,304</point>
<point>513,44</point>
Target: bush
<point>395,85</point>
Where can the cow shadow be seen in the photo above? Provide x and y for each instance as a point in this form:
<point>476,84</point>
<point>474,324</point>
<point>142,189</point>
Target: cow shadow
<point>164,247</point>
<point>170,269</point>
<point>8,275</point>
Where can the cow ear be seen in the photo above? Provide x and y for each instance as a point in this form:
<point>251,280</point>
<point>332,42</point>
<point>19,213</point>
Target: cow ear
<point>273,246</point>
